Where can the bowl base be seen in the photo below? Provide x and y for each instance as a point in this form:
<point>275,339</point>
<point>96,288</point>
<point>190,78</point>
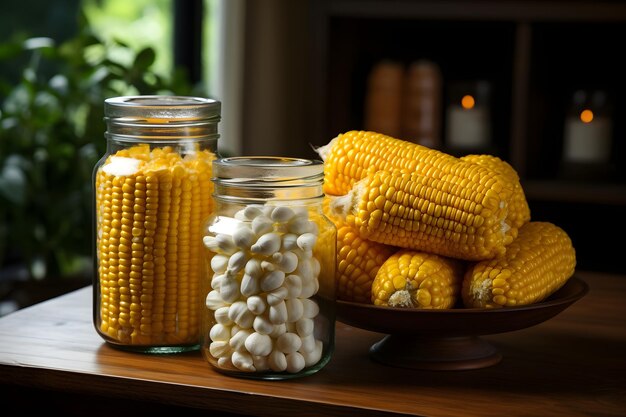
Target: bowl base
<point>435,353</point>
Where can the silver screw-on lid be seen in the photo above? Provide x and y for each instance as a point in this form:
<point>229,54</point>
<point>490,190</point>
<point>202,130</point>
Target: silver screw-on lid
<point>175,108</point>
<point>134,118</point>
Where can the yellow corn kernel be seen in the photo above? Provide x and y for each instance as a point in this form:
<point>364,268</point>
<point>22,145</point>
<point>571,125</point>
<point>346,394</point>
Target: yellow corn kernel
<point>410,279</point>
<point>538,262</point>
<point>441,217</point>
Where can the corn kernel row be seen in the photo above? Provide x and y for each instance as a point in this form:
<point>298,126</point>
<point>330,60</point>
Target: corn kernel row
<point>149,207</point>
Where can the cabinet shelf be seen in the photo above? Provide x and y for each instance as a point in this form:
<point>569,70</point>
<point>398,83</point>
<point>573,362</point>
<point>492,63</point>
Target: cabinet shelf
<point>480,10</point>
<point>574,192</point>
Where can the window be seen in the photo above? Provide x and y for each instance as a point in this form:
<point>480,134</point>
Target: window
<point>216,36</point>
<point>223,66</point>
<point>70,84</point>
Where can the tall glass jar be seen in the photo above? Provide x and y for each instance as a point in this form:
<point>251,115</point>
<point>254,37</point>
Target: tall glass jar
<point>152,192</point>
<point>268,282</point>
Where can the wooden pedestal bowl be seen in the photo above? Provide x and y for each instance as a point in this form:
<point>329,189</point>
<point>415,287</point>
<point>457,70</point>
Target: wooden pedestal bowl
<point>449,339</point>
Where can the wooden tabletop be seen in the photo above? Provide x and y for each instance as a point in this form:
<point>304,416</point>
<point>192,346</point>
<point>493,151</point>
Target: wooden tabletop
<point>571,365</point>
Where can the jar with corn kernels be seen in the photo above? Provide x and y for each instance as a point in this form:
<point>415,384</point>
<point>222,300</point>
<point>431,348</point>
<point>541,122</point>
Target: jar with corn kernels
<point>269,267</point>
<point>152,192</point>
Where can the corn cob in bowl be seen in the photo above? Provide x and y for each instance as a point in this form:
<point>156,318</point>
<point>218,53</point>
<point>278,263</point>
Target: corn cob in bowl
<point>538,262</point>
<point>418,198</point>
<point>358,260</point>
<point>410,279</point>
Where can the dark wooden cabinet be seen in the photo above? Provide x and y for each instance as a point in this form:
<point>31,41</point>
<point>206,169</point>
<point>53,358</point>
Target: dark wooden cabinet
<point>535,54</point>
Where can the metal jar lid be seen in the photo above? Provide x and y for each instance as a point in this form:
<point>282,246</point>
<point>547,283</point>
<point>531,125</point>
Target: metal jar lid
<point>166,117</point>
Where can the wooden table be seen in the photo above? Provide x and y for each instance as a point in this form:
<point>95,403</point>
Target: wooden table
<point>571,365</point>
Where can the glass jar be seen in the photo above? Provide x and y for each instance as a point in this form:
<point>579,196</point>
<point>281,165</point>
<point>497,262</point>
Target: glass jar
<point>269,270</point>
<point>152,192</point>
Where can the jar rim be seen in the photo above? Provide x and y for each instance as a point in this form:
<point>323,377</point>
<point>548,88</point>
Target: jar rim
<point>261,169</point>
<point>161,108</point>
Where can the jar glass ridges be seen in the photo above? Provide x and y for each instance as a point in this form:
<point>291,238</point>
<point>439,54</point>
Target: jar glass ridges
<point>152,192</point>
<point>269,270</point>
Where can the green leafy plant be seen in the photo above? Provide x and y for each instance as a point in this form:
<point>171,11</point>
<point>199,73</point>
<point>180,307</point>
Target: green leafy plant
<point>51,136</point>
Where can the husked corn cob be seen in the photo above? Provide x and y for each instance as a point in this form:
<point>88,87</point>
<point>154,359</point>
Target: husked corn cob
<point>358,260</point>
<point>538,262</point>
<point>355,155</point>
<point>519,212</point>
<point>149,205</point>
<point>463,220</point>
<point>413,279</point>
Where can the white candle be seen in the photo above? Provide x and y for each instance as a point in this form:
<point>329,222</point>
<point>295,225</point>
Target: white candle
<point>589,140</point>
<point>468,128</point>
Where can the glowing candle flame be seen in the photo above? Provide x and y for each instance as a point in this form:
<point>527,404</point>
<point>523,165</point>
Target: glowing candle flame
<point>468,102</point>
<point>586,116</point>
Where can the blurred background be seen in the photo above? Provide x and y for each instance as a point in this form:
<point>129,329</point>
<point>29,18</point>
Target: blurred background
<point>536,83</point>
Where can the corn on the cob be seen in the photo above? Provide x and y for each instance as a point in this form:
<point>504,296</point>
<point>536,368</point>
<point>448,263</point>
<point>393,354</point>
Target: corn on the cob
<point>538,262</point>
<point>413,279</point>
<point>463,220</point>
<point>358,260</point>
<point>519,212</point>
<point>148,261</point>
<point>352,156</point>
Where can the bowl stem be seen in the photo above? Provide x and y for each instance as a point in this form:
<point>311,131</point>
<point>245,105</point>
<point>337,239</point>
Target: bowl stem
<point>435,353</point>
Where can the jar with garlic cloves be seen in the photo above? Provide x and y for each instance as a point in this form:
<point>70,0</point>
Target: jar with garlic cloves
<point>269,267</point>
<point>152,191</point>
